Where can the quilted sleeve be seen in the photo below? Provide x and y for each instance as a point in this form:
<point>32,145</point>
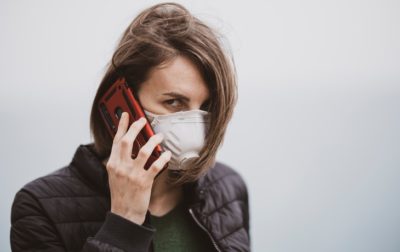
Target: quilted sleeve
<point>31,230</point>
<point>246,217</point>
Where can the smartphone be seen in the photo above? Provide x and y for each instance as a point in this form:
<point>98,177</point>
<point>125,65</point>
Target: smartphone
<point>120,98</point>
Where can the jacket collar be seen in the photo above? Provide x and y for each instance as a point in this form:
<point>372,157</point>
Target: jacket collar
<point>87,165</point>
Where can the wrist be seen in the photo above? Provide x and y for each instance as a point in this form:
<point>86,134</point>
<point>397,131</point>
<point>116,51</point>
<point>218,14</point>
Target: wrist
<point>125,234</point>
<point>135,218</point>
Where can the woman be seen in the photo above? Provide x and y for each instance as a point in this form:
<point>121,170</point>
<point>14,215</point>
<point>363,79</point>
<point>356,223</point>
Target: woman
<point>105,200</point>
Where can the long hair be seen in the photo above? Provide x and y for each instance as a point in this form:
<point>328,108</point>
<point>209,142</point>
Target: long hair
<point>157,35</point>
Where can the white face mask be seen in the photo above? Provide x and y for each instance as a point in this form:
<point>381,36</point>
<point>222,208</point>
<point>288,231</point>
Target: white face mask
<point>184,135</point>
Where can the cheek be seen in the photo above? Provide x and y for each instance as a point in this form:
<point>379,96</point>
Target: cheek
<point>150,103</point>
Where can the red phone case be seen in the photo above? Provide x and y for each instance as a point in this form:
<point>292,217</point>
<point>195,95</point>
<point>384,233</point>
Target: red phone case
<point>119,98</point>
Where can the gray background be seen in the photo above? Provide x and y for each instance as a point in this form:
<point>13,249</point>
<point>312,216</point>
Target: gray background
<point>316,129</point>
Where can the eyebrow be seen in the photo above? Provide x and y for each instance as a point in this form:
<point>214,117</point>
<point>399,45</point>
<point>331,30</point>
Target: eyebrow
<point>177,95</point>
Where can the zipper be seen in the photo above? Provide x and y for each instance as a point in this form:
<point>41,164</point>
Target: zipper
<point>202,227</point>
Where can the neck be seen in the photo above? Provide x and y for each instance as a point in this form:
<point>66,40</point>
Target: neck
<point>164,196</point>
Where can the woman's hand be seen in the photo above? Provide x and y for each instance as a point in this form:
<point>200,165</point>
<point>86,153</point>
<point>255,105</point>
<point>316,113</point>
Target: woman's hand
<point>130,183</point>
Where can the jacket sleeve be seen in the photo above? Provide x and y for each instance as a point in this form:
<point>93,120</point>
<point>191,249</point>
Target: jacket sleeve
<point>31,229</point>
<point>246,217</point>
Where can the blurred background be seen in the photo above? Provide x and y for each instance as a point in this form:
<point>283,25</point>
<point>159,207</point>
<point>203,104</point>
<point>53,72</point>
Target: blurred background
<point>315,134</point>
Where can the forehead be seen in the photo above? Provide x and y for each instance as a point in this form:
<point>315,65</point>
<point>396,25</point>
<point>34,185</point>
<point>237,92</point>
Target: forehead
<point>179,75</point>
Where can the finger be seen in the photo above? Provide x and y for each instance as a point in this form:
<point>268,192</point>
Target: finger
<point>130,136</point>
<point>147,149</point>
<point>157,165</point>
<point>122,126</point>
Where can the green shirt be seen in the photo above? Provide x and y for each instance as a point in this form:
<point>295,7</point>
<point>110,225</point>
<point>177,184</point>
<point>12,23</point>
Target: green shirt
<point>177,231</point>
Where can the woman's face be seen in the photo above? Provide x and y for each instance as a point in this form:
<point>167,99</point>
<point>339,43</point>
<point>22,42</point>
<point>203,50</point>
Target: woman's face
<point>177,86</point>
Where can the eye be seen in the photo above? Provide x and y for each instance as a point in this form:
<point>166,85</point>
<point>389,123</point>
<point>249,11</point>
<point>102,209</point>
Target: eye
<point>174,102</point>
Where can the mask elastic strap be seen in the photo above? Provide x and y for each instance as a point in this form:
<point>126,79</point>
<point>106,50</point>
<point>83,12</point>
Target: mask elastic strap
<point>149,115</point>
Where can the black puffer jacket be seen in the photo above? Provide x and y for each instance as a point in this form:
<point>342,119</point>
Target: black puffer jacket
<point>69,210</point>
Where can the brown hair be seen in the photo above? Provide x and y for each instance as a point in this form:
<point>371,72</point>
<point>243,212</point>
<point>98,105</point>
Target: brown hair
<point>156,36</point>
